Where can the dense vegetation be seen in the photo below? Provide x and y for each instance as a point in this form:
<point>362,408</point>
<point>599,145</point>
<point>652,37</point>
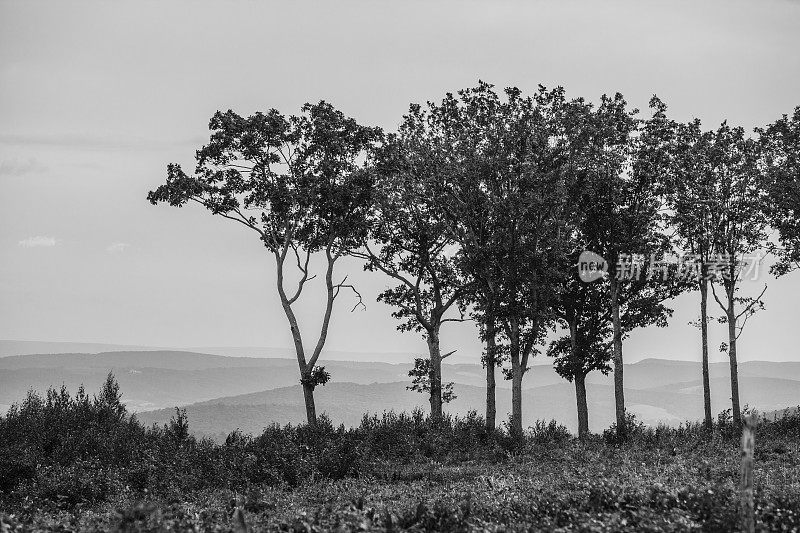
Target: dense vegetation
<point>69,462</point>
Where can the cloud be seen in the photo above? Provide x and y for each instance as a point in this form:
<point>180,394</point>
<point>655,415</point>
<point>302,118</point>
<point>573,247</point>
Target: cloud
<point>116,247</point>
<point>110,141</point>
<point>38,241</point>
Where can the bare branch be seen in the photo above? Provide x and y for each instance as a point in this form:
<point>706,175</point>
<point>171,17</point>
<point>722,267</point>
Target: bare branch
<point>719,302</point>
<point>343,285</point>
<point>303,267</point>
<point>243,220</point>
<point>753,302</point>
<point>373,258</point>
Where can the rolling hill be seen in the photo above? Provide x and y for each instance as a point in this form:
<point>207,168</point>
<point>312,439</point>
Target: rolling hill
<point>223,393</point>
<point>345,403</point>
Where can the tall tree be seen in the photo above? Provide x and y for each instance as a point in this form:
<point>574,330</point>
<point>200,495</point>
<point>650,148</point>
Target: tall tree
<point>740,234</point>
<point>505,199</point>
<point>409,242</point>
<point>453,140</point>
<point>629,157</point>
<point>583,308</point>
<point>472,212</point>
<point>295,182</point>
<point>690,197</point>
<point>581,305</point>
<point>781,157</point>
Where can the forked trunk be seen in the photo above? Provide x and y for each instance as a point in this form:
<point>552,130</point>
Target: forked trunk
<point>704,335</point>
<point>619,392</point>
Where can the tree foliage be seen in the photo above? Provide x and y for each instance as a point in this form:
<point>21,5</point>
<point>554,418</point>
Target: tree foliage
<point>298,183</point>
<point>781,163</point>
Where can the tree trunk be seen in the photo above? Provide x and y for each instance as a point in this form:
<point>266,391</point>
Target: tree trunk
<point>297,338</point>
<point>305,371</point>
<point>516,382</point>
<point>516,398</point>
<point>311,408</point>
<point>491,363</point>
<point>619,392</point>
<point>435,375</point>
<point>735,407</point>
<point>580,380</point>
<point>704,337</point>
<point>583,409</point>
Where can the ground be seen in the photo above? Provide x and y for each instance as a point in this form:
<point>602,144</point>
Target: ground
<point>567,486</point>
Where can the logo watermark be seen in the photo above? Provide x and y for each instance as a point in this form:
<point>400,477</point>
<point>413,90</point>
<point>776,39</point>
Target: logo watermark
<point>592,266</point>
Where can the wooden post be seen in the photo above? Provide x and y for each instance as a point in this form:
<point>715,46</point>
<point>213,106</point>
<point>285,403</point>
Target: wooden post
<point>748,445</point>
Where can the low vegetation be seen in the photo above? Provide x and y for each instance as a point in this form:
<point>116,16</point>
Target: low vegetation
<point>79,462</point>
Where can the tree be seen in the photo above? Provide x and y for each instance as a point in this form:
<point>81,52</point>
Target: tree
<point>583,308</point>
<point>108,401</point>
<point>690,197</point>
<point>414,247</point>
<point>581,305</point>
<point>741,225</point>
<point>626,162</point>
<point>421,380</point>
<point>471,212</point>
<point>504,197</point>
<point>295,182</point>
<point>614,188</point>
<point>780,143</point>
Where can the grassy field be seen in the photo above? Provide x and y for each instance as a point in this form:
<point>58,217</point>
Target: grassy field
<point>395,472</point>
<point>571,487</point>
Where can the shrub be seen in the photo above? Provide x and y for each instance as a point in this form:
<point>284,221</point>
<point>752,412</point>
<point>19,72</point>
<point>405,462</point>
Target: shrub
<point>633,430</point>
<point>61,452</point>
<point>548,432</point>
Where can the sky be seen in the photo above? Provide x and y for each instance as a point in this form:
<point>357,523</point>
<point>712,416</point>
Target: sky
<point>97,97</point>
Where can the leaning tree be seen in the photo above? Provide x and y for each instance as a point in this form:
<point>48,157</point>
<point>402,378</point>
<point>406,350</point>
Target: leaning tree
<point>295,183</point>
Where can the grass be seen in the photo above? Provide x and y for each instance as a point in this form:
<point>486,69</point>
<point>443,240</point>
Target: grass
<point>395,472</point>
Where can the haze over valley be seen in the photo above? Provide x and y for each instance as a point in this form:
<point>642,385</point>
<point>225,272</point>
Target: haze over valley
<point>222,393</point>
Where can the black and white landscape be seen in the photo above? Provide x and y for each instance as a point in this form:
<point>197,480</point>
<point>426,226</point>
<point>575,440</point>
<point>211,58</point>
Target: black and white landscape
<point>399,266</point>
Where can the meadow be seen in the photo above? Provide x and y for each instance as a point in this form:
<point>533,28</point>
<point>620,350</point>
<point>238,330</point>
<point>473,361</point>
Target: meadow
<point>83,463</point>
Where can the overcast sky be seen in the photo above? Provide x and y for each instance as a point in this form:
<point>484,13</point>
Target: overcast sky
<point>97,97</point>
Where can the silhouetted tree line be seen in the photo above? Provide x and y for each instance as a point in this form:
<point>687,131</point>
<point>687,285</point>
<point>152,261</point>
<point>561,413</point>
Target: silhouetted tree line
<point>478,208</point>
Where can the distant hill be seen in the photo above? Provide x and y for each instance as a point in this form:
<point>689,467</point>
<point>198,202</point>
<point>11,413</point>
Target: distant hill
<point>13,347</point>
<point>225,392</point>
<point>345,403</point>
<point>157,379</point>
